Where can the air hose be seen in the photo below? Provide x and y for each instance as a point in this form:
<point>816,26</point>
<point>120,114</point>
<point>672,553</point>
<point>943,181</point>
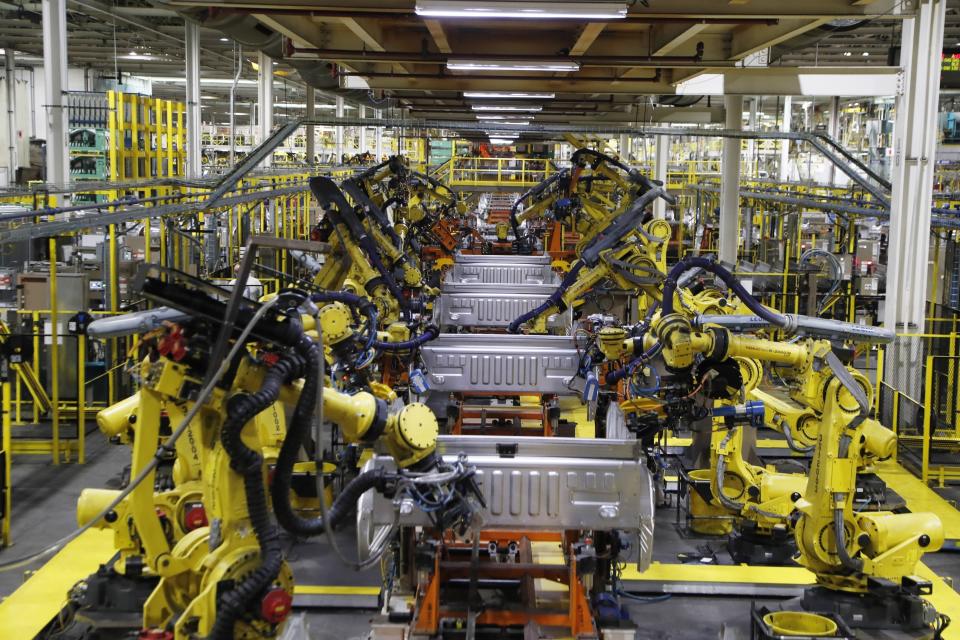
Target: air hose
<point>241,408</point>
<point>708,264</point>
<point>430,333</point>
<point>552,301</point>
<point>299,428</point>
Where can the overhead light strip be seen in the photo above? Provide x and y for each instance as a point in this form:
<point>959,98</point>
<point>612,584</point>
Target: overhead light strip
<point>508,95</point>
<point>462,64</point>
<point>522,10</point>
<point>504,107</point>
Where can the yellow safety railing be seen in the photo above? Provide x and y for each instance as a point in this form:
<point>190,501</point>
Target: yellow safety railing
<point>496,172</point>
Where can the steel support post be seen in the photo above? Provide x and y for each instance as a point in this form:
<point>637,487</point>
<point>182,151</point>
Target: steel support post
<point>914,149</point>
<point>55,83</point>
<point>379,136</point>
<point>362,114</point>
<point>311,130</point>
<point>11,69</point>
<point>833,129</point>
<point>661,158</point>
<point>785,144</point>
<point>192,47</point>
<point>730,182</point>
<point>338,135</point>
<point>752,144</point>
<point>265,100</point>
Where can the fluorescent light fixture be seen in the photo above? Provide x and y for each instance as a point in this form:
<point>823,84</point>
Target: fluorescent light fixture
<point>133,55</point>
<point>507,94</point>
<point>502,140</point>
<point>512,116</point>
<point>518,123</point>
<point>527,10</point>
<point>502,107</point>
<point>203,81</point>
<point>462,64</point>
<point>224,39</point>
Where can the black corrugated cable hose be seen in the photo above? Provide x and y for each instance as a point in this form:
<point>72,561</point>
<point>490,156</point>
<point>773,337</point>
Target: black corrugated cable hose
<point>311,352</point>
<point>241,408</point>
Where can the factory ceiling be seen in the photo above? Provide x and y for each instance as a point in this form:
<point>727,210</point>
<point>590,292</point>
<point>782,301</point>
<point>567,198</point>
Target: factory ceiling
<point>620,66</point>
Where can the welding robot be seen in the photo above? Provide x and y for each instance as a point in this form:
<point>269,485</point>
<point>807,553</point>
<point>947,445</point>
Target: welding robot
<point>864,562</point>
<point>207,552</point>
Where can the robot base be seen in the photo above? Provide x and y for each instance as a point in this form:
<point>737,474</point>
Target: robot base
<point>746,545</point>
<point>885,608</point>
<point>760,630</point>
<point>108,605</point>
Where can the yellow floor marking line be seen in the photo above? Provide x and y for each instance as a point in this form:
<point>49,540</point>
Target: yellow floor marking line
<point>28,609</point>
<point>319,590</point>
<point>920,497</point>
<point>718,573</point>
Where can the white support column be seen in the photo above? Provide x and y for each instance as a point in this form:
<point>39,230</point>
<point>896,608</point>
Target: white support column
<point>785,144</point>
<point>311,130</point>
<point>378,142</point>
<point>265,99</point>
<point>362,113</point>
<point>11,69</point>
<point>338,134</point>
<point>623,148</point>
<point>661,158</point>
<point>914,149</point>
<point>55,81</point>
<point>833,129</point>
<point>192,46</point>
<point>752,144</point>
<point>730,182</point>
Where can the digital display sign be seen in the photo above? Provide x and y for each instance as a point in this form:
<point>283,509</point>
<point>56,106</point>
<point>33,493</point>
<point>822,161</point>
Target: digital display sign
<point>950,69</point>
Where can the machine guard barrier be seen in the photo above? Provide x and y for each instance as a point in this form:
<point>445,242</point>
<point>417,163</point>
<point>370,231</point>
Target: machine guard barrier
<point>494,306</point>
<point>549,484</point>
<point>501,363</point>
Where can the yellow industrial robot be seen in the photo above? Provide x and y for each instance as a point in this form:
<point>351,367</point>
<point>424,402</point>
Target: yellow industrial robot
<point>206,553</point>
<point>864,562</point>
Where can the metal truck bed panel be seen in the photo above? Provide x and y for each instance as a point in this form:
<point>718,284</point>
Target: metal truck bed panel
<point>503,363</point>
<point>552,490</point>
<point>493,305</point>
<point>501,273</point>
<point>465,258</point>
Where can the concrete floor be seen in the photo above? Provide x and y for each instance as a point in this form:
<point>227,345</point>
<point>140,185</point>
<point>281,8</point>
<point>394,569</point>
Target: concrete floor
<point>44,509</point>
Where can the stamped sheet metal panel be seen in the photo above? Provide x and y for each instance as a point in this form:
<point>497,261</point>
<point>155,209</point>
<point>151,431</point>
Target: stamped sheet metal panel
<point>493,305</point>
<point>541,493</point>
<point>507,363</point>
<point>466,258</point>
<point>501,273</point>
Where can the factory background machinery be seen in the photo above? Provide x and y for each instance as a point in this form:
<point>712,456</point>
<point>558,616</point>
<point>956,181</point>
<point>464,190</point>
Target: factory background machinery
<point>408,319</point>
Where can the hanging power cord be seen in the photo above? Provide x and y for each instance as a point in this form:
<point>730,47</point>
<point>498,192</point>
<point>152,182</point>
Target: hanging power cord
<point>161,453</point>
